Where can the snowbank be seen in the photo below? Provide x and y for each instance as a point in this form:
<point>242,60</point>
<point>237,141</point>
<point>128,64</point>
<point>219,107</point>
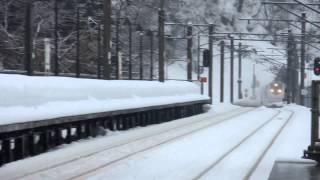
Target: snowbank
<point>26,98</point>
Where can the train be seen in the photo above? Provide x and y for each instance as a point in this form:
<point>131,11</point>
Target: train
<point>273,94</point>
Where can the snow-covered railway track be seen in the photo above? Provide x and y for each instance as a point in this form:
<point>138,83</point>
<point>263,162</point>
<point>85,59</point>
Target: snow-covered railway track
<point>106,156</point>
<point>218,168</point>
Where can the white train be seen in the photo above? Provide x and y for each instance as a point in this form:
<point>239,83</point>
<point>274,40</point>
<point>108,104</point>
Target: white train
<point>273,94</point>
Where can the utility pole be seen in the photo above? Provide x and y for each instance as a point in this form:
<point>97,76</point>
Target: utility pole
<point>231,69</point>
<point>78,44</point>
<point>130,49</point>
<point>198,60</point>
<point>161,41</point>
<point>151,54</point>
<point>210,78</point>
<point>288,87</point>
<point>56,51</point>
<point>302,63</point>
<point>99,52</point>
<point>292,73</point>
<point>141,55</point>
<point>240,71</point>
<point>107,43</point>
<point>117,44</point>
<point>189,52</point>
<point>221,71</point>
<point>28,39</point>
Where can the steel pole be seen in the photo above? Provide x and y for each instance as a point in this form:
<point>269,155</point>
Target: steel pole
<point>78,44</point>
<point>130,50</point>
<point>240,72</point>
<point>302,63</point>
<point>56,48</point>
<point>189,53</point>
<point>117,45</point>
<point>161,43</point>
<point>141,56</point>
<point>198,60</point>
<point>231,69</point>
<point>315,114</point>
<point>288,72</point>
<point>221,71</point>
<point>28,39</point>
<point>107,41</point>
<point>210,77</point>
<point>99,52</point>
<point>151,56</point>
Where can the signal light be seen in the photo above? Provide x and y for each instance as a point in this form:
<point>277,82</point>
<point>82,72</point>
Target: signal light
<point>316,68</point>
<point>206,58</point>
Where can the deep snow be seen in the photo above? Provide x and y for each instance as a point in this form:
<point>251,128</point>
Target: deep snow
<point>26,98</point>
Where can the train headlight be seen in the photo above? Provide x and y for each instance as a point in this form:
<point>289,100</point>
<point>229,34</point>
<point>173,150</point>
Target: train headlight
<point>272,90</point>
<point>279,91</point>
<point>276,85</point>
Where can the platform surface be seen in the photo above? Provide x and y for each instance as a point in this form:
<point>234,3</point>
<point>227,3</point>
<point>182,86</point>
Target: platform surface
<point>285,170</point>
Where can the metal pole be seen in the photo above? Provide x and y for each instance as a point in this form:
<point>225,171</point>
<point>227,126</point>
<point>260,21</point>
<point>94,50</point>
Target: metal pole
<point>78,44</point>
<point>56,51</point>
<point>302,63</point>
<point>141,56</point>
<point>107,43</point>
<point>222,71</point>
<point>288,81</point>
<point>117,45</point>
<point>198,61</point>
<point>130,50</point>
<point>161,42</point>
<point>99,52</point>
<point>151,55</point>
<point>240,71</point>
<point>28,39</point>
<point>210,78</point>
<point>315,114</point>
<point>189,53</point>
<point>231,69</point>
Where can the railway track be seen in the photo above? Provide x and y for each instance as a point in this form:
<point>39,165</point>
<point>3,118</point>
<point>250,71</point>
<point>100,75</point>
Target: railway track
<point>150,141</point>
<point>205,174</point>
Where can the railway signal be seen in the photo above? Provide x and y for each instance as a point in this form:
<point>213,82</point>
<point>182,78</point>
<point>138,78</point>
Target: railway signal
<point>316,68</point>
<point>206,58</point>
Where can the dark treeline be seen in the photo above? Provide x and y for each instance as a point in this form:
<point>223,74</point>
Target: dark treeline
<point>12,28</point>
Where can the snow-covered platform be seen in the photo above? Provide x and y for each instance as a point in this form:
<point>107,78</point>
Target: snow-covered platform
<point>40,113</point>
<point>300,170</point>
<point>25,98</point>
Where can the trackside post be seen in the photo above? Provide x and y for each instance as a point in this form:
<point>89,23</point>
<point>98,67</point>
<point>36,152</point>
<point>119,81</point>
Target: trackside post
<point>313,151</point>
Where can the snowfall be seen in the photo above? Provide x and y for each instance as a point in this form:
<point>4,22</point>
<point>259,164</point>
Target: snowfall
<point>26,98</point>
<point>37,98</point>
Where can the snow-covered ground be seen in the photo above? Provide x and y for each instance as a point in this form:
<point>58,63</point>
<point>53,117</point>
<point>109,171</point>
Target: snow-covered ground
<point>84,148</point>
<point>38,98</point>
<point>182,150</point>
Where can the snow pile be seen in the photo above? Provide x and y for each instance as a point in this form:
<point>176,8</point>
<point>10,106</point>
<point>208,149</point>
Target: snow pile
<point>37,98</point>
